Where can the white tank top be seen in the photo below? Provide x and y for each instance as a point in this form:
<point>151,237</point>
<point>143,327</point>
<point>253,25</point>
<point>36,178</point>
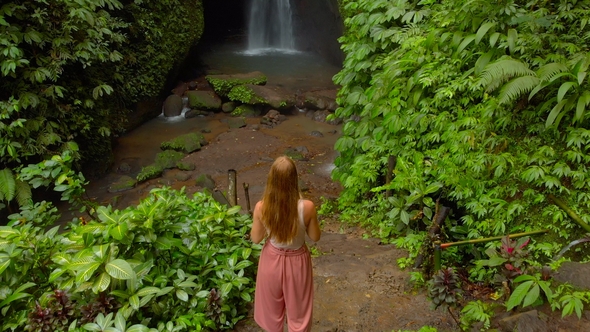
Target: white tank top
<point>299,239</point>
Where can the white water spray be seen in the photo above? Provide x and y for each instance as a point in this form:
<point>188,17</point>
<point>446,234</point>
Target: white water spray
<point>270,26</point>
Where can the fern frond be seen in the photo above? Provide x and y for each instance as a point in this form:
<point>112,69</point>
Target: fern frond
<point>549,70</point>
<point>501,71</point>
<point>517,87</point>
<point>7,184</point>
<point>24,196</point>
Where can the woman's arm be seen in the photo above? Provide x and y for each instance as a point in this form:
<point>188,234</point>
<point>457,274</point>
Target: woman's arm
<point>258,231</point>
<point>311,221</point>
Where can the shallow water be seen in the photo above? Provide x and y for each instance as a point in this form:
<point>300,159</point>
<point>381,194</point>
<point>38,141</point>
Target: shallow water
<point>288,68</point>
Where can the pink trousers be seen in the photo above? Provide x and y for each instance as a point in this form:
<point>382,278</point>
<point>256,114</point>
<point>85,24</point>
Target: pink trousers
<point>284,284</point>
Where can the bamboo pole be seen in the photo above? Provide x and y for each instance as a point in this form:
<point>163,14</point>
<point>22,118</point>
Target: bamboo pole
<point>246,186</point>
<point>489,239</point>
<point>232,190</point>
<point>570,212</point>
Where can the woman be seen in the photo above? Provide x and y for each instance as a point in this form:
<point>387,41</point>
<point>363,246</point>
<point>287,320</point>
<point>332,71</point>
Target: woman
<point>284,284</point>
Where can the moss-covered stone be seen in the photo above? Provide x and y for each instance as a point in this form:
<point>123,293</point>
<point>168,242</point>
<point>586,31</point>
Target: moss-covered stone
<point>205,181</point>
<point>246,111</point>
<point>185,143</point>
<point>149,172</point>
<point>245,94</point>
<point>203,100</point>
<point>168,158</point>
<point>185,166</point>
<point>223,84</point>
<point>125,182</point>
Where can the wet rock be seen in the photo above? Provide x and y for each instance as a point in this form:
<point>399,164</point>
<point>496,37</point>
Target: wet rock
<point>574,273</point>
<point>254,127</point>
<point>316,133</point>
<point>228,107</point>
<point>125,182</point>
<point>173,106</point>
<point>524,322</point>
<point>303,186</point>
<point>272,118</point>
<point>192,85</point>
<point>184,176</point>
<point>238,122</point>
<point>322,116</point>
<point>124,168</point>
<point>185,166</point>
<point>275,97</point>
<point>302,149</point>
<point>207,100</point>
<point>206,130</point>
<point>205,181</point>
<point>168,159</point>
<point>186,143</point>
<point>246,110</point>
<point>320,100</point>
<point>195,113</point>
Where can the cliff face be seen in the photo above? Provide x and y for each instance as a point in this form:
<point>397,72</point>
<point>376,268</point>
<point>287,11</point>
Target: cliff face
<point>319,25</point>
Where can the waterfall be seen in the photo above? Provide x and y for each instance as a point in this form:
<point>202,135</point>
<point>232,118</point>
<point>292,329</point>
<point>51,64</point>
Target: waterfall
<point>270,25</point>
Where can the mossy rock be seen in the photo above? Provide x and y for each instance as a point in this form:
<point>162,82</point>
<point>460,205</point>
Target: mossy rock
<point>185,166</point>
<point>294,154</point>
<point>149,172</point>
<point>125,182</point>
<point>245,94</point>
<point>223,84</point>
<point>185,143</point>
<point>205,181</point>
<point>168,159</point>
<point>246,110</point>
<point>208,100</point>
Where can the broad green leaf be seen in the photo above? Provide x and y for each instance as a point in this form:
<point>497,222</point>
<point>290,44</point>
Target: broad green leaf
<point>119,231</point>
<point>532,296</point>
<point>101,283</point>
<point>226,288</point>
<point>518,294</point>
<point>233,210</point>
<point>483,29</point>
<point>563,89</point>
<point>134,302</point>
<point>148,291</point>
<point>138,328</point>
<point>182,295</point>
<point>120,269</point>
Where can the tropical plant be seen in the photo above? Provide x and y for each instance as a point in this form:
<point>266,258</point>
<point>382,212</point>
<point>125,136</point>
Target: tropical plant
<point>171,262</point>
<point>483,105</point>
<point>528,292</point>
<point>476,312</point>
<point>444,290</point>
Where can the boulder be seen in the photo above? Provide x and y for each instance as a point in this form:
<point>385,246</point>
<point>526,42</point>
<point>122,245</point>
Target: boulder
<point>125,182</point>
<point>246,110</point>
<point>173,106</point>
<point>205,181</point>
<point>228,107</point>
<point>575,274</point>
<point>318,100</point>
<point>207,100</point>
<point>275,97</point>
<point>168,159</point>
<point>222,84</point>
<point>186,143</point>
<point>237,122</point>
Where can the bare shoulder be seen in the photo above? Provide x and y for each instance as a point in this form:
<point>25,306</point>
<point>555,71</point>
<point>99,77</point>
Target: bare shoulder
<point>308,205</point>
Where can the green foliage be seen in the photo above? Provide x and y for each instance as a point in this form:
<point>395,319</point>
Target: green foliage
<point>169,262</point>
<point>476,312</point>
<point>224,85</point>
<point>422,329</point>
<point>569,300</point>
<point>244,94</point>
<point>528,293</point>
<point>71,70</point>
<point>483,106</point>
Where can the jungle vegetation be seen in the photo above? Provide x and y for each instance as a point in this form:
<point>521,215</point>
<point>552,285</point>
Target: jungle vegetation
<point>480,106</point>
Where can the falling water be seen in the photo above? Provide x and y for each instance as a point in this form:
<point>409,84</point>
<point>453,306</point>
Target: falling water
<point>270,26</point>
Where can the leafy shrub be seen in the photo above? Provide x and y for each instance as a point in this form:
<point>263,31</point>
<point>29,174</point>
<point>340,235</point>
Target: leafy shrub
<point>169,260</point>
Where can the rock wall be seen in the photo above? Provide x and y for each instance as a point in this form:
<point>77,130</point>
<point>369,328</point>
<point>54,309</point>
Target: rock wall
<point>318,25</point>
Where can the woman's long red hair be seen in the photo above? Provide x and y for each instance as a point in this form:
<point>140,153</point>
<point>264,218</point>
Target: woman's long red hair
<point>280,198</point>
